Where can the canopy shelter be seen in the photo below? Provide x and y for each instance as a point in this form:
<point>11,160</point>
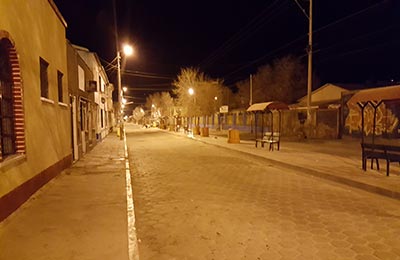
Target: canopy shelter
<point>267,107</point>
<point>374,97</point>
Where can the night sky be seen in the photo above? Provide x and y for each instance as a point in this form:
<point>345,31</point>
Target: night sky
<point>355,41</point>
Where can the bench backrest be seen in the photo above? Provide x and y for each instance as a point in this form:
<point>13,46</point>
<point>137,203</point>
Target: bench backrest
<point>392,148</point>
<point>389,152</point>
<point>368,146</point>
<point>271,136</point>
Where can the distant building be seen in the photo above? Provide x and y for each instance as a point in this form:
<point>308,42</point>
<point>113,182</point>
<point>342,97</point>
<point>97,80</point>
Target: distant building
<point>90,97</point>
<point>35,137</point>
<point>100,87</point>
<point>328,94</point>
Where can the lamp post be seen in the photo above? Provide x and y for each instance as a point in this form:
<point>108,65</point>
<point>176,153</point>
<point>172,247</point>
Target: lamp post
<point>128,50</point>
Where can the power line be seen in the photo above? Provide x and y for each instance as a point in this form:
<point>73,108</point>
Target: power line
<point>302,9</point>
<point>150,86</point>
<point>363,36</point>
<point>265,56</point>
<point>348,17</point>
<point>247,35</point>
<point>236,37</point>
<point>298,39</point>
<point>149,73</point>
<point>354,51</point>
<point>145,76</point>
<point>115,25</point>
<point>150,89</point>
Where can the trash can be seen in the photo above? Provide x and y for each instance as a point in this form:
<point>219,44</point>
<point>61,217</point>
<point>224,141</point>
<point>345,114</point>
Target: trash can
<point>196,130</point>
<point>233,136</point>
<point>204,131</point>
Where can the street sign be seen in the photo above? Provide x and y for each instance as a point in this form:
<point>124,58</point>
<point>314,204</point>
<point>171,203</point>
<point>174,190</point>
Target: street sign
<point>223,109</point>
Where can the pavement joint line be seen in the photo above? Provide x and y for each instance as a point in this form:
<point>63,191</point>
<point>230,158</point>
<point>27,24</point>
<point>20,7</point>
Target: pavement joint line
<point>307,171</point>
<point>133,248</point>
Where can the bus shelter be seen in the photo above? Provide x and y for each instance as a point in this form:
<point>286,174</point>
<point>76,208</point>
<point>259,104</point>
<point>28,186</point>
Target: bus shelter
<point>267,108</point>
<point>374,98</point>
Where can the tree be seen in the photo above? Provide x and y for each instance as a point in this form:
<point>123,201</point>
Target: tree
<point>138,114</point>
<point>206,96</point>
<point>283,80</point>
<point>160,104</point>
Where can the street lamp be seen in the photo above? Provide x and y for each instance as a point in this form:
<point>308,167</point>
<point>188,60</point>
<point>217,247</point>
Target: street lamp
<point>191,91</point>
<point>128,50</point>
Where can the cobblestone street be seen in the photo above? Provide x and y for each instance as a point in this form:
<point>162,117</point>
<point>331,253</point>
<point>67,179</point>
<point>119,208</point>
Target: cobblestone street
<point>198,201</point>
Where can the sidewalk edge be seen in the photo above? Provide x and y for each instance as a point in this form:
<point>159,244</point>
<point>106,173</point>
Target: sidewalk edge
<point>133,248</point>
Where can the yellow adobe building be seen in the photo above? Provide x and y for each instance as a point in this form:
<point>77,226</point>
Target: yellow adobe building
<point>35,134</point>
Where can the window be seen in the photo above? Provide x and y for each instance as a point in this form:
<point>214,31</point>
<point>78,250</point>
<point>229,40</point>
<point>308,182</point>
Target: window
<point>44,82</point>
<point>83,115</point>
<point>6,105</point>
<point>101,84</point>
<point>12,122</point>
<point>102,118</point>
<point>60,86</point>
<point>81,78</point>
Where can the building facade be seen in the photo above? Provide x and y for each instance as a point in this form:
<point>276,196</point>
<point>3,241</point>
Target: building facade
<point>100,87</point>
<point>36,125</point>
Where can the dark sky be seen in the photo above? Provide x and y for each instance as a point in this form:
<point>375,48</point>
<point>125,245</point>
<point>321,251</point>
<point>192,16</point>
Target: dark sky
<point>355,41</point>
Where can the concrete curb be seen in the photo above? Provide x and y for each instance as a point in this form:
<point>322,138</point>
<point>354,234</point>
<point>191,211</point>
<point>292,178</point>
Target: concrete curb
<point>133,248</point>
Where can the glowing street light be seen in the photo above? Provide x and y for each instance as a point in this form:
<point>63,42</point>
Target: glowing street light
<point>128,51</point>
<point>191,91</point>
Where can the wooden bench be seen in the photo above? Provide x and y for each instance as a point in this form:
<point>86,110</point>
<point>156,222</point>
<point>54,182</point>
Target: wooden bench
<point>273,139</point>
<point>390,153</point>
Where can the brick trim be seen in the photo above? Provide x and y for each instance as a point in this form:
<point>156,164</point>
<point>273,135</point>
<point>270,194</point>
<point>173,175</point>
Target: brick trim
<point>19,119</point>
<point>17,92</point>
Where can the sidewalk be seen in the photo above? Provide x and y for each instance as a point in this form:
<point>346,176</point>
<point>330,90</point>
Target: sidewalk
<point>81,214</point>
<point>335,160</point>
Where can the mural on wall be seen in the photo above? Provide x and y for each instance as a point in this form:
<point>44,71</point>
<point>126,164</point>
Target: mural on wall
<point>386,120</point>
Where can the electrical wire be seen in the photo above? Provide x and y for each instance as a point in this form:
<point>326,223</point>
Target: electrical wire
<point>302,9</point>
<point>301,37</point>
<point>237,37</point>
<point>360,37</point>
<point>265,56</point>
<point>145,76</point>
<point>354,51</point>
<point>349,16</point>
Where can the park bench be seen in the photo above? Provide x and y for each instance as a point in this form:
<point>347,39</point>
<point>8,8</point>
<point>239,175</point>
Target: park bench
<point>390,153</point>
<point>273,139</point>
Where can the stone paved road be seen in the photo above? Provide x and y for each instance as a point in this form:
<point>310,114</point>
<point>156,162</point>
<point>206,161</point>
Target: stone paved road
<point>198,201</point>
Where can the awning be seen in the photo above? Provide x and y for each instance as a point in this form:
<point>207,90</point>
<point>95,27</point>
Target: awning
<point>376,94</point>
<point>265,106</point>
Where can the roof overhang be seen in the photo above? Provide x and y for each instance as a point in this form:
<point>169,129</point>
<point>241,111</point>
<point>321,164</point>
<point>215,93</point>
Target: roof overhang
<point>268,106</point>
<point>376,94</point>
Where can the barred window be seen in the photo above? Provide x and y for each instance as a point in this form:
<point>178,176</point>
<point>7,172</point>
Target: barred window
<point>60,86</point>
<point>7,132</point>
<point>44,82</point>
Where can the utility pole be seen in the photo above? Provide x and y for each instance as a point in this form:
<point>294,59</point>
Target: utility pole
<point>120,119</point>
<point>309,49</point>
<point>251,102</point>
<point>251,90</point>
